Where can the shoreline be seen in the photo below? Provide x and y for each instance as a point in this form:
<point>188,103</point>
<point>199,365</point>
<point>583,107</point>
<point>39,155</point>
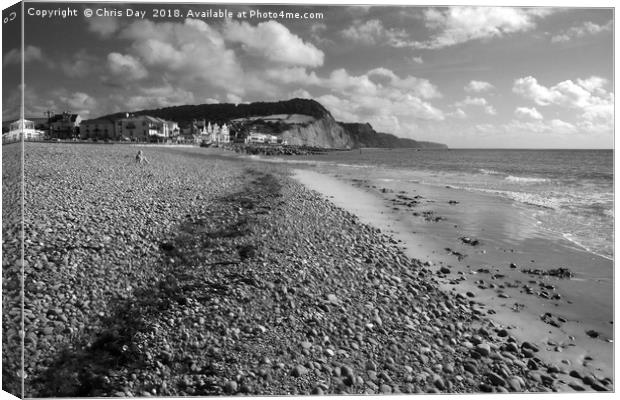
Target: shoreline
<point>372,207</point>
<point>203,274</point>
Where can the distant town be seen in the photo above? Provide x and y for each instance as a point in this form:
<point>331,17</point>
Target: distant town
<point>68,126</point>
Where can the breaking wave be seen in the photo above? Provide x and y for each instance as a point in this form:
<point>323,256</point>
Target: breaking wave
<point>525,179</point>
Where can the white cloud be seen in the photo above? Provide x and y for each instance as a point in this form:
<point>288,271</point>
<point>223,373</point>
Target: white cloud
<point>191,55</point>
<point>233,98</point>
<point>559,126</point>
<point>341,109</point>
<point>297,75</point>
<point>478,102</point>
<point>587,95</point>
<point>525,112</point>
<point>14,56</point>
<point>126,66</point>
<point>81,65</point>
<point>300,94</point>
<point>316,34</point>
<point>417,60</point>
<point>555,126</point>
<point>456,25</point>
<point>459,113</point>
<point>390,103</point>
<point>274,42</point>
<point>478,86</point>
<point>103,26</point>
<point>211,100</point>
<point>416,86</point>
<point>373,32</point>
<point>594,84</point>
<point>156,97</point>
<point>76,102</point>
<point>586,29</point>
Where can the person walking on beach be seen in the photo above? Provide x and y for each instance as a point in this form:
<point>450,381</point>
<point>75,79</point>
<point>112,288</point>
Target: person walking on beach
<point>141,158</point>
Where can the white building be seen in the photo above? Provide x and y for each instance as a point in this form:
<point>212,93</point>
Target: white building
<point>22,128</point>
<point>224,135</point>
<point>143,128</point>
<point>261,138</point>
<point>173,128</point>
<point>218,134</point>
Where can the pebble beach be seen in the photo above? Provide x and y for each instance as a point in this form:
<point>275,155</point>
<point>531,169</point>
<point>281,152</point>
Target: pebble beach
<point>197,274</point>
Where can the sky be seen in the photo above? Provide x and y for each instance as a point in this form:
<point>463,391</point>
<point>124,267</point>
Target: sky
<point>466,76</point>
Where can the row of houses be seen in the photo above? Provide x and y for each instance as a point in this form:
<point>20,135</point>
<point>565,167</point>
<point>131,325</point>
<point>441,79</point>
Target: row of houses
<point>134,128</point>
<point>144,128</point>
<point>141,128</point>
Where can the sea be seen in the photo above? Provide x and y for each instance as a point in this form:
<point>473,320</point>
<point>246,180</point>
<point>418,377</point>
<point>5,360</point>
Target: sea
<point>568,192</point>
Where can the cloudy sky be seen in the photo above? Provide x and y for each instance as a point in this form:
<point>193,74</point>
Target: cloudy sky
<point>464,76</point>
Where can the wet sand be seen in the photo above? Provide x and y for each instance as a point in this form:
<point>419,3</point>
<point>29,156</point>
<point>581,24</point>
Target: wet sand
<point>554,313</point>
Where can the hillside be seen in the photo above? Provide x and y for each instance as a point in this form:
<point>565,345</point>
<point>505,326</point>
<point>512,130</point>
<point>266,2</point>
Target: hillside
<point>364,135</point>
<point>298,121</point>
<point>226,112</point>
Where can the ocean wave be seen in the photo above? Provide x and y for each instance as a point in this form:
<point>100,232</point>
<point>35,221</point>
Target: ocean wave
<point>356,166</point>
<point>531,199</point>
<point>571,238</point>
<point>525,179</point>
<point>489,172</point>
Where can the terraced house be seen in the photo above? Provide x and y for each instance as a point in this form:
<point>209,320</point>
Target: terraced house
<point>143,128</point>
<point>99,128</point>
<point>65,125</point>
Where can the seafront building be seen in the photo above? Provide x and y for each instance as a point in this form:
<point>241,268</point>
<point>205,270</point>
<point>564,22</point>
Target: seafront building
<point>22,128</point>
<point>100,128</point>
<point>143,128</point>
<point>203,132</point>
<point>263,138</point>
<point>65,125</point>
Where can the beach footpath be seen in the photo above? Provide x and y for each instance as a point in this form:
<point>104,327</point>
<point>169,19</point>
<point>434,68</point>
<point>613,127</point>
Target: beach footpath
<point>200,275</point>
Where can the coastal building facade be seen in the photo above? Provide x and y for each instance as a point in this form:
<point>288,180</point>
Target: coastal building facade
<point>218,134</point>
<point>100,128</point>
<point>173,129</point>
<point>263,138</point>
<point>22,128</point>
<point>143,128</point>
<point>65,125</point>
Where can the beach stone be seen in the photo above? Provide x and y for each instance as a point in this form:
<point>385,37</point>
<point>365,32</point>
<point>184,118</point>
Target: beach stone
<point>485,387</point>
<point>575,374</point>
<point>511,347</point>
<point>438,382</point>
<point>470,367</point>
<point>385,389</point>
<point>496,379</point>
<point>371,366</point>
<point>515,384</point>
<point>298,371</point>
<point>230,387</point>
<point>372,375</point>
<point>317,391</point>
<point>483,349</point>
<point>347,371</point>
<point>576,387</point>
